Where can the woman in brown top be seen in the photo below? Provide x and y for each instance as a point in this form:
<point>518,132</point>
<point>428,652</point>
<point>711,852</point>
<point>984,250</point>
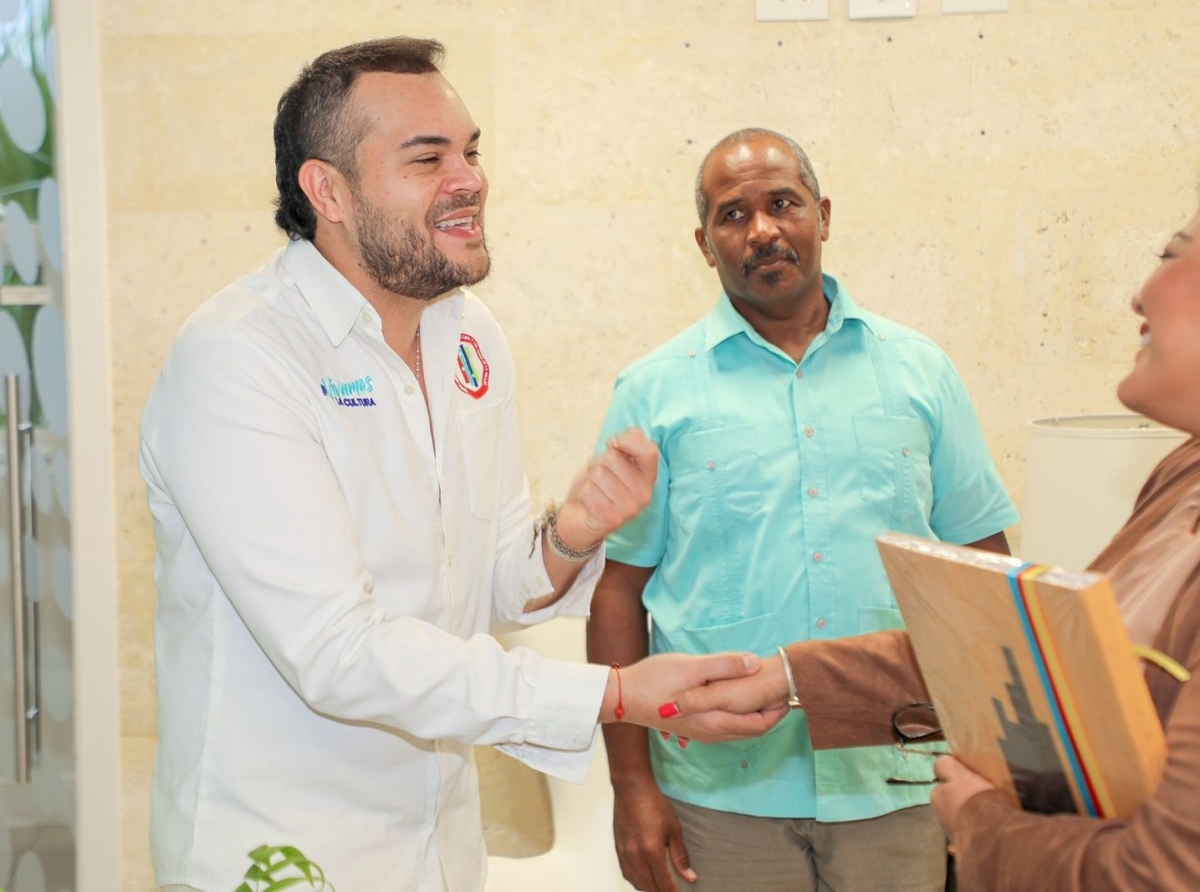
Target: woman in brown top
<point>851,687</point>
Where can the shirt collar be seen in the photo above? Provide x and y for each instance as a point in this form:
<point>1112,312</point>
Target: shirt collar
<point>725,321</point>
<point>336,303</point>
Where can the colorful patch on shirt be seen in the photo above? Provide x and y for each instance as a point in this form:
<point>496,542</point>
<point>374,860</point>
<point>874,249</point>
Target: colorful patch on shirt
<point>349,393</point>
<point>473,368</point>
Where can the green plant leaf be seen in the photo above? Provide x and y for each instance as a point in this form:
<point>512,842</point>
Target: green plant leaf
<point>268,862</point>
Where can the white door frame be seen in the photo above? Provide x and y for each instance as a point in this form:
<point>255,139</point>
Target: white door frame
<point>80,165</point>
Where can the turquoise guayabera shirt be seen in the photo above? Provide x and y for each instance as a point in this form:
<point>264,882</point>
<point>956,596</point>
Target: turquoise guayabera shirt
<point>774,481</point>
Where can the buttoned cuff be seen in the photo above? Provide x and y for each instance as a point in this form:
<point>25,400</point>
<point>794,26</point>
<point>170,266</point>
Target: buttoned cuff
<point>576,601</point>
<point>564,719</point>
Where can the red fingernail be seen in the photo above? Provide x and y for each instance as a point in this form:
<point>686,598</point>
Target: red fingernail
<point>668,710</point>
<point>666,735</point>
<point>683,742</point>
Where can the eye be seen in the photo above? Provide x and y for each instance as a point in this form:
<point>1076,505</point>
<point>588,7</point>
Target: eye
<point>474,155</point>
<point>781,203</point>
<point>735,215</point>
<point>426,159</point>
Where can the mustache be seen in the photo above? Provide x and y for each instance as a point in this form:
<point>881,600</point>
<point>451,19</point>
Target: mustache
<point>452,204</point>
<point>765,254</point>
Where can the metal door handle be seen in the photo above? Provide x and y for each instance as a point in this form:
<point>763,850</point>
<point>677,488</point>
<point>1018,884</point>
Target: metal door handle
<point>12,410</point>
<point>33,714</point>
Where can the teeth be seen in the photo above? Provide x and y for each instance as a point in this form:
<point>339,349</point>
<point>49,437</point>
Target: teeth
<point>1145,339</point>
<point>447,224</point>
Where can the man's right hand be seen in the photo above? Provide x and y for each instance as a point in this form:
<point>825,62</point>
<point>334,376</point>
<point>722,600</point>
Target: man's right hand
<point>649,838</point>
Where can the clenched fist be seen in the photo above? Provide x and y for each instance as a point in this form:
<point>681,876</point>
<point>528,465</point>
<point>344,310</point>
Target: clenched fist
<point>613,487</point>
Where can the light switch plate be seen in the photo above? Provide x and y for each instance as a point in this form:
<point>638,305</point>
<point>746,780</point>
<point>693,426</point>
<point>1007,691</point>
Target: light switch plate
<point>791,10</point>
<point>953,7</point>
<point>883,9</point>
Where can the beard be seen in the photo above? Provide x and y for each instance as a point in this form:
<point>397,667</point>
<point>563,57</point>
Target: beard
<point>405,261</point>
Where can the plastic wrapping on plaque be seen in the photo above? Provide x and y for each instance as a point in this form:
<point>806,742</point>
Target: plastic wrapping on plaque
<point>1033,676</point>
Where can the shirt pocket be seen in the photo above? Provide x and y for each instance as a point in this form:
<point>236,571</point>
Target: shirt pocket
<point>479,432</point>
<point>893,466</point>
<point>715,478</point>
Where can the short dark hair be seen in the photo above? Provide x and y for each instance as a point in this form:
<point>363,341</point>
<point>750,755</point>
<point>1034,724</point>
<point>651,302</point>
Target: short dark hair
<point>807,176</point>
<point>313,119</point>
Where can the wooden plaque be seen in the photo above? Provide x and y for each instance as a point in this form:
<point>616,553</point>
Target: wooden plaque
<point>1033,675</point>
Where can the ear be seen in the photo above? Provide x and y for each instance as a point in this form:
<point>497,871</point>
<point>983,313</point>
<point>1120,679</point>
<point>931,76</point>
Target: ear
<point>705,246</point>
<point>826,209</point>
<point>326,189</point>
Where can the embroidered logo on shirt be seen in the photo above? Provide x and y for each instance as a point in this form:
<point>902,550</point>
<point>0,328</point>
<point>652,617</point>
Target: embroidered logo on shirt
<point>349,393</point>
<point>473,368</point>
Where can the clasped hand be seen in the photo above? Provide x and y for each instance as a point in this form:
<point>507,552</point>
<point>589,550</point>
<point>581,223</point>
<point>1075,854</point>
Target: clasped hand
<point>712,717</point>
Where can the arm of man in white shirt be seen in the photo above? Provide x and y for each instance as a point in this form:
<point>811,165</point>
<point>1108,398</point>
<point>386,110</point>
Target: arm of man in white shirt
<point>249,509</point>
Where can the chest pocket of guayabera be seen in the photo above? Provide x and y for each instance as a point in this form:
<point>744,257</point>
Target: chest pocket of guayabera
<point>893,467</point>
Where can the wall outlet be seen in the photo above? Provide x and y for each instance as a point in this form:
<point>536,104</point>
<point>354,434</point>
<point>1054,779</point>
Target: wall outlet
<point>953,7</point>
<point>791,10</point>
<point>883,9</point>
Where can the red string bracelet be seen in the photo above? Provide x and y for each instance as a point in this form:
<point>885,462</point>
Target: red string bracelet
<point>620,710</point>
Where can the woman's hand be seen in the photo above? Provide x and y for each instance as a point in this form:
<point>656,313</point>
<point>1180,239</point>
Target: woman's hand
<point>765,690</point>
<point>956,784</point>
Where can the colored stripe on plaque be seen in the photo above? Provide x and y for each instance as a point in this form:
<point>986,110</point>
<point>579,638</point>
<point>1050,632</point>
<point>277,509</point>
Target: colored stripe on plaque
<point>1058,697</point>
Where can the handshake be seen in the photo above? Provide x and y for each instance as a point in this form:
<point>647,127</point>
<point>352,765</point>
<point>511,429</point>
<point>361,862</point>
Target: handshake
<point>715,698</point>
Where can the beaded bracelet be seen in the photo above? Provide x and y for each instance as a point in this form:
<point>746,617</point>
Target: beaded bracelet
<point>549,522</point>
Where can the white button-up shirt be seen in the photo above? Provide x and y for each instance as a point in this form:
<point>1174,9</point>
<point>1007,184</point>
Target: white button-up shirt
<point>330,558</point>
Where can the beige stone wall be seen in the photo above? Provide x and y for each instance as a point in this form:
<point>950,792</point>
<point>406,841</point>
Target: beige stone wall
<point>1000,182</point>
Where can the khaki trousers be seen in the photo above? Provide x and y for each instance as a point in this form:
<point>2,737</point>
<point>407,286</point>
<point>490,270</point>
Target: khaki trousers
<point>904,851</point>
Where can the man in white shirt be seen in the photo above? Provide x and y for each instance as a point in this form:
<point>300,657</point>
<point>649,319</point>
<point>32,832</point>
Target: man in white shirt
<point>341,517</point>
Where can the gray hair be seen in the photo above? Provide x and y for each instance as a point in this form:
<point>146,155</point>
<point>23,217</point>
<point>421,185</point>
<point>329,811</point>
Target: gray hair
<point>807,176</point>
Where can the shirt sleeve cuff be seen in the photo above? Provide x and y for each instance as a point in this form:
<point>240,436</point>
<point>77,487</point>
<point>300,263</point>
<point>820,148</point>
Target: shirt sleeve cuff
<point>576,601</point>
<point>563,727</point>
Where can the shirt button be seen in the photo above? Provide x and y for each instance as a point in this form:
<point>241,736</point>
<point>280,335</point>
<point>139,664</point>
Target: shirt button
<point>366,317</point>
<point>692,354</point>
<point>904,451</point>
<point>821,623</point>
<point>409,389</point>
<point>817,556</point>
<point>799,373</point>
<point>745,763</point>
<point>808,432</point>
<point>712,465</point>
<point>883,337</point>
<point>813,491</point>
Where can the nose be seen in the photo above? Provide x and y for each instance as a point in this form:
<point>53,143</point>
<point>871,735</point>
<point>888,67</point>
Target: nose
<point>763,230</point>
<point>464,176</point>
<point>1136,304</point>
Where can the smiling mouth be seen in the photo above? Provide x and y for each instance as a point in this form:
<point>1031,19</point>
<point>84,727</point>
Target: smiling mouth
<point>462,224</point>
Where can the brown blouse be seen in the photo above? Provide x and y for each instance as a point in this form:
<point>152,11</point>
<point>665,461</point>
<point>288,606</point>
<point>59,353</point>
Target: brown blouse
<point>851,686</point>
